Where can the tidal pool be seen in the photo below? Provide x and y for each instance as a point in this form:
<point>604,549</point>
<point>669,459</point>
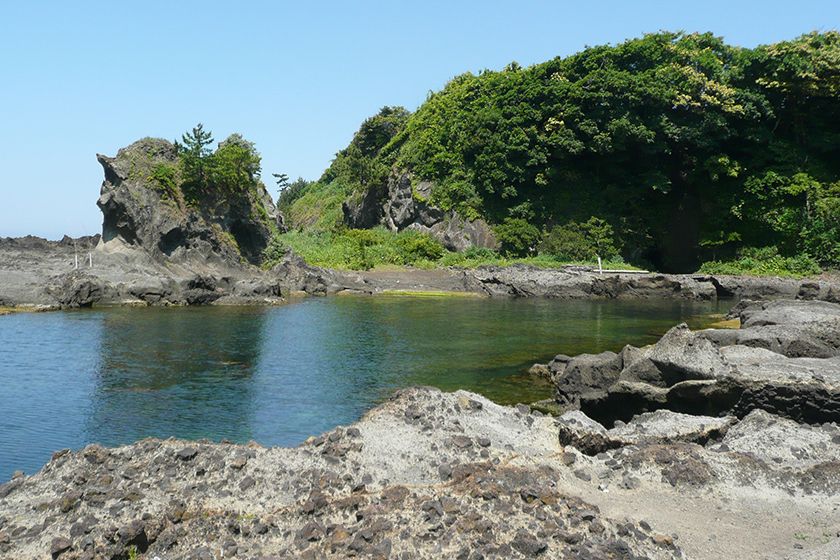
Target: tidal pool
<point>277,375</point>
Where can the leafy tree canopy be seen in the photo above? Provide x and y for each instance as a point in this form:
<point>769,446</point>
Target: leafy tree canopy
<point>688,148</point>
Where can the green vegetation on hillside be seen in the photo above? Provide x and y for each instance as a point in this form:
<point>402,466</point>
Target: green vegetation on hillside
<point>690,149</point>
<point>364,249</point>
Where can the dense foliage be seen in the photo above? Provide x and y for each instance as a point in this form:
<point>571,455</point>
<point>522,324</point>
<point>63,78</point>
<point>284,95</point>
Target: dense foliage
<point>579,241</point>
<point>356,249</point>
<point>689,148</point>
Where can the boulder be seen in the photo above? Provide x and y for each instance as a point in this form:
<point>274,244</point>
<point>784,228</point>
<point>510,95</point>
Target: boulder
<point>660,427</point>
<point>680,355</point>
<point>587,375</point>
<point>720,372</point>
<point>794,328</point>
<point>458,234</point>
<point>777,440</point>
<point>79,289</point>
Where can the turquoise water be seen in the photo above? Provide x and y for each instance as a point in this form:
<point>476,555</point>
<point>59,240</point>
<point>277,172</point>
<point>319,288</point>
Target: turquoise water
<point>278,375</point>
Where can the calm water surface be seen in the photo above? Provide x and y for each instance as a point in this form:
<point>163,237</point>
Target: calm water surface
<point>278,375</point>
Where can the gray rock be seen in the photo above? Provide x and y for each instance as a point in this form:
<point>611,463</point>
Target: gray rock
<point>663,426</point>
<point>587,374</point>
<point>59,545</point>
<point>365,210</point>
<point>681,355</point>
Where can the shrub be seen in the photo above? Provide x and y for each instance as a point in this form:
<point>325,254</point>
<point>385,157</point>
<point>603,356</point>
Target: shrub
<point>764,261</point>
<point>416,246</point>
<point>517,237</point>
<point>480,253</point>
<point>567,243</point>
<point>274,251</point>
<point>581,241</point>
<point>164,176</point>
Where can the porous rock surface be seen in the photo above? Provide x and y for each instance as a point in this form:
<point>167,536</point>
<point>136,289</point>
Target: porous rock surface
<point>427,475</point>
<point>440,475</point>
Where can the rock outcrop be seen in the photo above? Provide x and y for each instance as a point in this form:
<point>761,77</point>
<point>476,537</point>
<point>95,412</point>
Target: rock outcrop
<point>399,205</point>
<point>144,210</point>
<point>785,359</point>
<point>427,475</point>
<point>570,283</point>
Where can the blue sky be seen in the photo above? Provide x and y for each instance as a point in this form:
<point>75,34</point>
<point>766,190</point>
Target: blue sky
<point>77,78</point>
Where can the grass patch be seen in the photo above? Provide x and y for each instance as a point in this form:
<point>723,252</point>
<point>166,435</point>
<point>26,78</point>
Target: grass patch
<point>319,209</point>
<point>765,261</point>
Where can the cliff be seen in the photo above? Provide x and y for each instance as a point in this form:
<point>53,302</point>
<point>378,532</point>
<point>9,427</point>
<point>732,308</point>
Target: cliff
<point>147,204</point>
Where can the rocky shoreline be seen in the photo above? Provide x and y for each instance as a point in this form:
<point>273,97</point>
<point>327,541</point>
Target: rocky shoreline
<point>160,247</point>
<point>42,275</point>
<point>706,445</point>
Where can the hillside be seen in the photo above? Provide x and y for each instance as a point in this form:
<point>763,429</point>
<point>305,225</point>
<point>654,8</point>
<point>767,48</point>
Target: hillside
<point>673,149</point>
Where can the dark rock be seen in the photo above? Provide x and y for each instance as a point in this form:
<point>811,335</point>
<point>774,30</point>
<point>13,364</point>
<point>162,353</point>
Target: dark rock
<point>365,211</point>
<point>187,453</point>
<point>527,544</point>
<point>588,373</point>
<point>59,545</point>
<point>681,355</point>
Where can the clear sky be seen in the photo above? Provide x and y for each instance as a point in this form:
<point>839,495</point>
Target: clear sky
<point>77,78</point>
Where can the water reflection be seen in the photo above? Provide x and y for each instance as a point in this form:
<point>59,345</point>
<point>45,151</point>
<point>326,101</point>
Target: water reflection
<point>278,375</point>
<point>176,371</point>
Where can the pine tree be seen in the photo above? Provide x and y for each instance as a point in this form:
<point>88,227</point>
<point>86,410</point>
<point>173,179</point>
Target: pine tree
<point>282,181</point>
<point>194,152</point>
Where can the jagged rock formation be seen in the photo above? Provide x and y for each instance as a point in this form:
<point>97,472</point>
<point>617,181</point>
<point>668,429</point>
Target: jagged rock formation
<point>145,212</point>
<point>785,359</point>
<point>399,205</point>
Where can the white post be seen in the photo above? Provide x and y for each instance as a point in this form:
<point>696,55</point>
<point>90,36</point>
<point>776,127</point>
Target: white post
<point>90,258</point>
<point>600,268</point>
<point>76,254</point>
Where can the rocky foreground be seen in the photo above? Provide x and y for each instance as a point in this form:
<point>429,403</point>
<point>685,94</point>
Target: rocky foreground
<point>436,475</point>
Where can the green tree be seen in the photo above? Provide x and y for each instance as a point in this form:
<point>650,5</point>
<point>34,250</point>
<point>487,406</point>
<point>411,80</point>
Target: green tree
<point>282,181</point>
<point>234,166</point>
<point>194,150</point>
<point>517,237</point>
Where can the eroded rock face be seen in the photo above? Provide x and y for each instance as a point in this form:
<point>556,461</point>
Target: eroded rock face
<point>718,372</point>
<point>528,281</point>
<point>140,212</point>
<point>396,206</point>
